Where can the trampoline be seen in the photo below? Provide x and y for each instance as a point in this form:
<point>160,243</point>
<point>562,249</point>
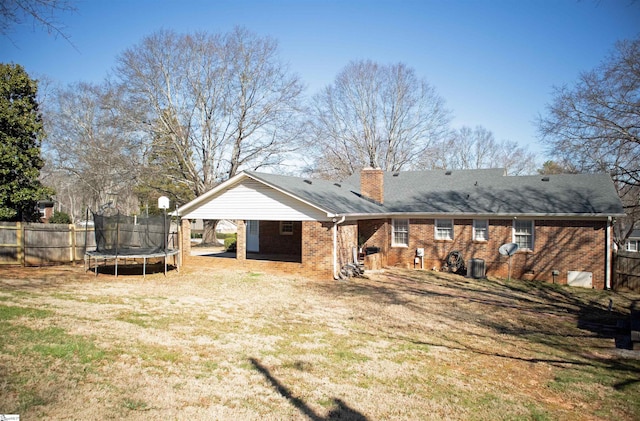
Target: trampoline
<point>131,237</point>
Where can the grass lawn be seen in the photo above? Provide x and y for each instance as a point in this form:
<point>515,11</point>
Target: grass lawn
<point>400,344</point>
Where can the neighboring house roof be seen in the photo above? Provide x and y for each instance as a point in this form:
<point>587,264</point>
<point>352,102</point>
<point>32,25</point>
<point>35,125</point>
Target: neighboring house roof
<point>635,234</point>
<point>463,192</point>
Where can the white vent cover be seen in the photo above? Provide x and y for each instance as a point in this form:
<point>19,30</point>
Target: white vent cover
<point>580,279</point>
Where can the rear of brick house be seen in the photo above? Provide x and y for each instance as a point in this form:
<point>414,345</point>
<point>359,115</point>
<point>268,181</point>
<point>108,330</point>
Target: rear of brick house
<point>562,223</point>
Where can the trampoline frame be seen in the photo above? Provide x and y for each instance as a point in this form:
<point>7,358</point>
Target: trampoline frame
<point>95,255</point>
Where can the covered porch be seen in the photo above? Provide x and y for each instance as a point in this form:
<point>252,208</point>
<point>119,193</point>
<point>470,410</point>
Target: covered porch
<point>306,249</point>
<point>275,228</point>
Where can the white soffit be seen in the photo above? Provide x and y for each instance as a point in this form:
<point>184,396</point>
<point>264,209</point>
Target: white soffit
<point>252,200</point>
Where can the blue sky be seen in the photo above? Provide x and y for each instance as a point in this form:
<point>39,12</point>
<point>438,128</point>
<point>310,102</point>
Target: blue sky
<point>493,61</point>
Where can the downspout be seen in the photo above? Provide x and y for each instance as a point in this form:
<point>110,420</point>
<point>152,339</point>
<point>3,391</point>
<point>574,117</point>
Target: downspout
<point>607,275</point>
<point>336,222</point>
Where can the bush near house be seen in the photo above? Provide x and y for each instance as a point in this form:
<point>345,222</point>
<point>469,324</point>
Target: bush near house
<point>60,218</point>
<point>230,241</point>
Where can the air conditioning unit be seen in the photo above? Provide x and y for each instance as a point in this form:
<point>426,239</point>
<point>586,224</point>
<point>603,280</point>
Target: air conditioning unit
<point>477,269</point>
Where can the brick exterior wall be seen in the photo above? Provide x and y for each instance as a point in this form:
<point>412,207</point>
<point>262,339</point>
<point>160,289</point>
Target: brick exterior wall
<point>374,233</point>
<point>272,242</point>
<point>48,214</point>
<point>317,248</point>
<point>372,184</point>
<point>347,241</point>
<point>563,245</point>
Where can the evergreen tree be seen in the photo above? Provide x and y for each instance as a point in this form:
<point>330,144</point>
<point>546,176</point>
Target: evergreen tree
<point>21,134</point>
<point>60,218</point>
<point>168,169</point>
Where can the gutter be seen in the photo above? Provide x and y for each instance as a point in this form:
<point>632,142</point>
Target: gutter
<point>418,215</point>
<point>607,273</point>
<point>336,222</point>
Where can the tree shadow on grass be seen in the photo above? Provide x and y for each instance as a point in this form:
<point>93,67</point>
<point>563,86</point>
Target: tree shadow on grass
<point>340,410</point>
<point>535,312</point>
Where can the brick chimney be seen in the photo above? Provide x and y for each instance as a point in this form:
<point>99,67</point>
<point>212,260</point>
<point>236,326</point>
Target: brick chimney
<point>372,184</point>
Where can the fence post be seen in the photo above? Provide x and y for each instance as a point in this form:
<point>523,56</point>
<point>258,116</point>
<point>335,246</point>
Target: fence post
<point>72,241</point>
<point>20,242</point>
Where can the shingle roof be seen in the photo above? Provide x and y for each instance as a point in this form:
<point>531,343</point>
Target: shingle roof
<point>334,197</point>
<point>473,192</point>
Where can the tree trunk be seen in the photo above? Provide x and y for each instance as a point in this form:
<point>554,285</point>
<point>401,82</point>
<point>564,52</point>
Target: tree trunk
<point>209,232</point>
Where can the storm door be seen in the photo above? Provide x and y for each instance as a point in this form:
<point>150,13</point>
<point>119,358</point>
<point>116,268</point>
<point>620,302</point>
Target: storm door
<point>253,236</point>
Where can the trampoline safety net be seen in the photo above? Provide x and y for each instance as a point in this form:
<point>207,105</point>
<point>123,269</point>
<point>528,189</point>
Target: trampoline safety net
<point>127,235</point>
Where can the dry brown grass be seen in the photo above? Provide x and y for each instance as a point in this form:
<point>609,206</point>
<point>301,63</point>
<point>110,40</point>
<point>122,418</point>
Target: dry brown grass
<point>401,344</point>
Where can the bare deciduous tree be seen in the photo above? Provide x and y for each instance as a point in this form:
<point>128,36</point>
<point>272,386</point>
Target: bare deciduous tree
<point>374,115</point>
<point>595,126</point>
<point>42,12</point>
<point>468,148</point>
<point>223,103</point>
<point>226,101</point>
<point>90,144</point>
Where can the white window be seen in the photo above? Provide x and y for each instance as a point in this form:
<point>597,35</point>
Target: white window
<point>480,230</point>
<point>444,229</point>
<point>286,227</point>
<point>523,234</point>
<point>632,245</point>
<point>400,232</point>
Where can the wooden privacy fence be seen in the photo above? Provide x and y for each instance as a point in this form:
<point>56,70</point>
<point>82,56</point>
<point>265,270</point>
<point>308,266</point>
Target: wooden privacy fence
<point>626,271</point>
<point>30,244</point>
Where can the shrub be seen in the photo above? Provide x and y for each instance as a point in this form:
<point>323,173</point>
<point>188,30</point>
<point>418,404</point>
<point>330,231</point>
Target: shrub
<point>60,218</point>
<point>230,242</point>
<point>224,235</point>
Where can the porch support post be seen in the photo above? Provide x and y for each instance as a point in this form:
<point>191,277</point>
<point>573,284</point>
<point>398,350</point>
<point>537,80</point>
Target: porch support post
<point>185,240</point>
<point>241,241</point>
<point>336,269</point>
